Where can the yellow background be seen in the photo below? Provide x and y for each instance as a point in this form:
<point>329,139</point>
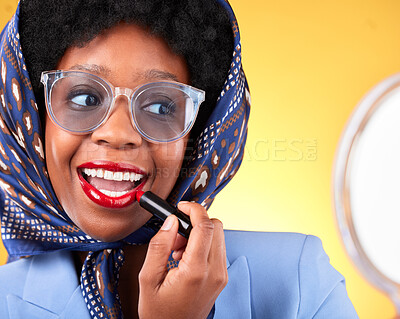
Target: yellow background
<point>308,64</point>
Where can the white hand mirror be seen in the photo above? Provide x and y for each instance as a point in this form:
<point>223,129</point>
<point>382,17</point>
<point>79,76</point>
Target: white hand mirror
<point>367,187</point>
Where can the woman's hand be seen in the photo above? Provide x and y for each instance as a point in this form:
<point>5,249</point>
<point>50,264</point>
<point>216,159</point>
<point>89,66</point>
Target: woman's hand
<point>190,290</point>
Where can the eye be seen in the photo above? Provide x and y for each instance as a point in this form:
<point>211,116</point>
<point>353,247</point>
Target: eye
<point>160,108</point>
<point>84,99</point>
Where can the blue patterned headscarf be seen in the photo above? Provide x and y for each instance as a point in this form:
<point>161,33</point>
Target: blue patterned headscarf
<point>33,221</point>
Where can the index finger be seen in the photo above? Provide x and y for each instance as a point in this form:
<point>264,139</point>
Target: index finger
<point>200,239</point>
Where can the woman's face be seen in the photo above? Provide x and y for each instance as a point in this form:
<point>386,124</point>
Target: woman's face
<point>126,56</point>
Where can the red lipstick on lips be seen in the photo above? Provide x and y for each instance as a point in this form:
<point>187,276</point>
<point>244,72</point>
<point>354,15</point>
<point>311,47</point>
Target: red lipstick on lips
<point>102,199</point>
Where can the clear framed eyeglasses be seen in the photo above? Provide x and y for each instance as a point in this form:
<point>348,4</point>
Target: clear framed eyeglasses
<point>79,102</point>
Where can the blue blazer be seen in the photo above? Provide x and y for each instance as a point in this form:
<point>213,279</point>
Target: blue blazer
<point>271,275</point>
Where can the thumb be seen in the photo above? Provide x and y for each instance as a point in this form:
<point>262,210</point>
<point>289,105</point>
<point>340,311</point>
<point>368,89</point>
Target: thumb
<point>154,267</point>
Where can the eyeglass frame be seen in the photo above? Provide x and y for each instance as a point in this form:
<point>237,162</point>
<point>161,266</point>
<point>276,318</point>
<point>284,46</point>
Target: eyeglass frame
<point>197,96</point>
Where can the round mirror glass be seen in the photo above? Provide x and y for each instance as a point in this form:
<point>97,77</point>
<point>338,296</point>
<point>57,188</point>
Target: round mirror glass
<point>367,187</point>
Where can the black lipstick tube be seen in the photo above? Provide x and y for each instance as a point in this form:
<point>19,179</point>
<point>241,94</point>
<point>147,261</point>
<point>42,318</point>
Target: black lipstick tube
<point>161,209</point>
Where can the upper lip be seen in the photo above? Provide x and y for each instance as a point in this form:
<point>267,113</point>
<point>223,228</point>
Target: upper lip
<point>113,166</point>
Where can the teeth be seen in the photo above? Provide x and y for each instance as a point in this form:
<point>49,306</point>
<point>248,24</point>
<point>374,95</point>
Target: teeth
<point>118,176</point>
<point>105,192</point>
<point>135,177</point>
<point>112,176</point>
<point>113,194</point>
<point>100,173</point>
<point>108,175</point>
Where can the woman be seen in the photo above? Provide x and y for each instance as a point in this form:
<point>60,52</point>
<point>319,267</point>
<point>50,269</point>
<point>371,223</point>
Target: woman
<point>123,82</point>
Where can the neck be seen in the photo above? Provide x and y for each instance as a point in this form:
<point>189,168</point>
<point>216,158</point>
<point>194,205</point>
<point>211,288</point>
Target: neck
<point>128,288</point>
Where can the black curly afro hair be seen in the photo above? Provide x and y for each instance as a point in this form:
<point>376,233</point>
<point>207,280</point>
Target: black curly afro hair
<point>199,30</point>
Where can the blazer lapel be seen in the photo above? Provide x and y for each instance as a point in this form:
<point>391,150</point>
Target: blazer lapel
<point>51,290</point>
<point>234,301</point>
<point>19,308</point>
<point>76,307</point>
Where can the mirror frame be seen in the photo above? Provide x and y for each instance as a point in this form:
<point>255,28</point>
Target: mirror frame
<point>341,192</point>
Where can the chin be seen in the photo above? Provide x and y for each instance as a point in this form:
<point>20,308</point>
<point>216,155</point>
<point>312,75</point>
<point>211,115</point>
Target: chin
<point>110,235</point>
<point>111,225</point>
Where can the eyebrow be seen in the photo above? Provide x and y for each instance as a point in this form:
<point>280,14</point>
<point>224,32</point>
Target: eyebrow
<point>148,75</point>
<point>160,75</point>
<point>92,68</point>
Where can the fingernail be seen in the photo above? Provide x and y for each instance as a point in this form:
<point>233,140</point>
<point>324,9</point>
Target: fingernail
<point>168,223</point>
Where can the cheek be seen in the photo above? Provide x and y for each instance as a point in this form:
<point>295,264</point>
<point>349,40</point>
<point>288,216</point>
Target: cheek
<point>60,147</point>
<point>170,154</point>
<point>168,160</point>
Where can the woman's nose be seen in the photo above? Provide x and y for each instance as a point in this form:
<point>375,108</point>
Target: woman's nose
<point>118,131</point>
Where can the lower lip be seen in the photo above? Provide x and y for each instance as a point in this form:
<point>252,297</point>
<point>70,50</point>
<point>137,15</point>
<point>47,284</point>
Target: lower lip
<point>106,201</point>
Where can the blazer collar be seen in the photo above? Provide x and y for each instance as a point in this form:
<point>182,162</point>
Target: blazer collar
<point>234,301</point>
<point>51,290</point>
